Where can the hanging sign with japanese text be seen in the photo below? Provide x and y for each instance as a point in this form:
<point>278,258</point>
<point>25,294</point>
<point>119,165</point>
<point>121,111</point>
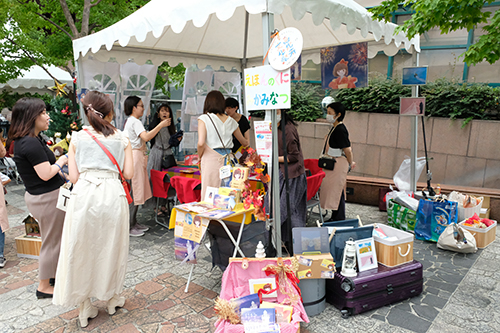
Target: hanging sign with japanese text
<point>285,48</point>
<point>267,88</point>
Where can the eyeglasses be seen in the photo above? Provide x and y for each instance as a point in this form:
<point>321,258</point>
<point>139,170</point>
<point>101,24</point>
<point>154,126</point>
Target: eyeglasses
<point>140,105</point>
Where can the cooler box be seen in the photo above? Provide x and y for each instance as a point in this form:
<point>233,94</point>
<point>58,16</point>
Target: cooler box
<point>393,251</point>
<point>484,237</point>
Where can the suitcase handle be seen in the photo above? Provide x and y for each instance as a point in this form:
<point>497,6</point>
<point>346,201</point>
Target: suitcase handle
<point>407,252</point>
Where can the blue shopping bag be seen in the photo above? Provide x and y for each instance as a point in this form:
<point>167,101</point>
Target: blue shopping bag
<point>433,218</point>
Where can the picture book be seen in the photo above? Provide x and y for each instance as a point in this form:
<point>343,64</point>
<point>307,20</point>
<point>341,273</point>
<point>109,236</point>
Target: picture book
<point>258,320</point>
<point>217,213</point>
<point>228,191</point>
<point>224,201</point>
<point>251,301</point>
<point>283,312</point>
<point>267,284</point>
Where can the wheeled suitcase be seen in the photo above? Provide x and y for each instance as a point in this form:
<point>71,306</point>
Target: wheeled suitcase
<point>374,288</point>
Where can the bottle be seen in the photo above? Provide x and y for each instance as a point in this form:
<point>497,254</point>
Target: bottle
<point>438,189</point>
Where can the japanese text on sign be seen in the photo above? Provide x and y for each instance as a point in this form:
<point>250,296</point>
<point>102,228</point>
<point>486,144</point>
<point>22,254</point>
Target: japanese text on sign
<point>266,88</point>
<point>285,48</point>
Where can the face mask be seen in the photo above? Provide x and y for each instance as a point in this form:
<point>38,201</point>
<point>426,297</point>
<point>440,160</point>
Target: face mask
<point>330,118</point>
<point>278,118</point>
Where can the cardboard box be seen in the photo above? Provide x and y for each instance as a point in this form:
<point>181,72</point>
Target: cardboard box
<point>315,266</point>
<point>484,237</point>
<point>28,247</point>
<point>395,250</point>
<point>485,208</point>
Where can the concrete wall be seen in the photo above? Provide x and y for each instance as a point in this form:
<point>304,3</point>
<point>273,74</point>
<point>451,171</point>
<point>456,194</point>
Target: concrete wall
<point>468,156</point>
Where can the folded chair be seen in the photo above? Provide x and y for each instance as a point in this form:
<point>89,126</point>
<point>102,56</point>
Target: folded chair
<point>187,189</point>
<point>160,190</point>
<point>313,184</point>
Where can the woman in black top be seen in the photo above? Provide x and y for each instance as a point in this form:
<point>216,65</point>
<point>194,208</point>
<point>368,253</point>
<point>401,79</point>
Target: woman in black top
<point>232,107</point>
<point>38,168</point>
<point>332,195</point>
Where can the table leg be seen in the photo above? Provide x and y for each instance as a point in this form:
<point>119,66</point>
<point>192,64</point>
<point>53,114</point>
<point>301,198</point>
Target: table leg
<point>189,278</point>
<point>237,245</point>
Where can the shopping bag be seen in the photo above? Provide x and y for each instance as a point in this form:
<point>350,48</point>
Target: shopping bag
<point>457,239</point>
<point>433,217</point>
<point>63,197</point>
<point>339,238</point>
<point>401,217</point>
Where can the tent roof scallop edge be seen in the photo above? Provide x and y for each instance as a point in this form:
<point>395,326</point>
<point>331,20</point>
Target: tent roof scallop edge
<point>188,32</point>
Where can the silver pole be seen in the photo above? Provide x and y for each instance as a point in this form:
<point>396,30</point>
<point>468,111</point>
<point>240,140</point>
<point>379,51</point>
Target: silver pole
<point>414,131</point>
<point>267,29</point>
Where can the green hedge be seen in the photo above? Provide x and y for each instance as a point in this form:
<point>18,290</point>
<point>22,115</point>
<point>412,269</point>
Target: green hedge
<point>444,98</point>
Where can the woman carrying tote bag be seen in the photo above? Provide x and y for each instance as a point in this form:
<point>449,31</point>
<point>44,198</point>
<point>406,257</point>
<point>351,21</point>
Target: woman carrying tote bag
<point>338,146</point>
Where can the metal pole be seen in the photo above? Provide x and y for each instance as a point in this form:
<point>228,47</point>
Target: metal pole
<point>414,131</point>
<point>267,29</point>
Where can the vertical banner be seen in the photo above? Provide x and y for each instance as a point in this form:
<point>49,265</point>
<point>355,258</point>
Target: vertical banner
<point>344,66</point>
<point>267,88</point>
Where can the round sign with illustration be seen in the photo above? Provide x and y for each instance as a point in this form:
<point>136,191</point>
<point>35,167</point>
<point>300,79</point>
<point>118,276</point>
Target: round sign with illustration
<point>285,49</point>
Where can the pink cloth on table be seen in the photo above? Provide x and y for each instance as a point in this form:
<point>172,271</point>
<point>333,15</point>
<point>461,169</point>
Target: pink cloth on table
<point>235,284</point>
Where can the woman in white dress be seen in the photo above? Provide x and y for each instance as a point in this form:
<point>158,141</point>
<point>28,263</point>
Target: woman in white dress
<point>95,238</point>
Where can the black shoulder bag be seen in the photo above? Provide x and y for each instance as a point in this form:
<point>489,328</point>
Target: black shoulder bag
<point>326,161</point>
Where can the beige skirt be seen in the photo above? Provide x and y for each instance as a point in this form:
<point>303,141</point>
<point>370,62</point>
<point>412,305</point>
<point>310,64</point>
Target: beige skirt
<point>51,221</point>
<point>333,184</point>
<point>210,164</point>
<point>141,189</point>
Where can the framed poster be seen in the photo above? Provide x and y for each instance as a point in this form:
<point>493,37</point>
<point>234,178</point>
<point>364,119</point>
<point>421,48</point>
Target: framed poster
<point>365,254</point>
<point>414,76</point>
<point>412,106</point>
<point>344,66</point>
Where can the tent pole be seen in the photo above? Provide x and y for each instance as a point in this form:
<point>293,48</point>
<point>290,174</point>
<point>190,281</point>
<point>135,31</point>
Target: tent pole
<point>267,29</point>
<point>414,131</point>
<point>244,63</point>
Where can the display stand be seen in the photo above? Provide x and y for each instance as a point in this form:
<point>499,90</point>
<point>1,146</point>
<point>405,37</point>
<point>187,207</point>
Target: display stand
<point>242,217</point>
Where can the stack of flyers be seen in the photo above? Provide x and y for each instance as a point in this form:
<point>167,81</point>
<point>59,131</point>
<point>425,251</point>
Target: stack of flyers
<point>217,213</point>
<point>197,207</point>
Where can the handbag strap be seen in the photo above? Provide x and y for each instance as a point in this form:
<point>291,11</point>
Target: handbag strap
<point>220,138</point>
<point>111,157</point>
<point>329,135</point>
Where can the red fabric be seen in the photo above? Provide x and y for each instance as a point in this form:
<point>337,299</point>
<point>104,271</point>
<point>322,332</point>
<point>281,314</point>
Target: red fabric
<point>160,188</point>
<point>314,181</point>
<point>185,188</point>
<point>312,164</point>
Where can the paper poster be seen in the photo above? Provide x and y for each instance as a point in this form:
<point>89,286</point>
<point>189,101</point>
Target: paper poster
<point>185,250</point>
<point>190,226</point>
<point>191,106</point>
<point>414,75</point>
<point>267,88</point>
<point>189,140</point>
<point>193,124</point>
<point>264,140</point>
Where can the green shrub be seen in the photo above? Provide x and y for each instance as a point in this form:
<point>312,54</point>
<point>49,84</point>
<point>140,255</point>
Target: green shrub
<point>444,98</point>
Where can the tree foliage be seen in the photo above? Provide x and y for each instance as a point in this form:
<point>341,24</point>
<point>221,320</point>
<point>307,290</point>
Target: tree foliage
<point>449,15</point>
<point>41,32</point>
<point>171,75</point>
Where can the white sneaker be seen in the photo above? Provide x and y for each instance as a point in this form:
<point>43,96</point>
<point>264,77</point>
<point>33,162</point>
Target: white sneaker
<point>134,232</point>
<point>2,262</point>
<point>141,227</point>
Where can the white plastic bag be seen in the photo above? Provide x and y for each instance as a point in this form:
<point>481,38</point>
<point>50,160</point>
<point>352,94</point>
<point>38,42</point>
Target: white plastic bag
<point>402,178</point>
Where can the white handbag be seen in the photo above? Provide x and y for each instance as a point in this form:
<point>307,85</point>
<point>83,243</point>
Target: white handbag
<point>457,239</point>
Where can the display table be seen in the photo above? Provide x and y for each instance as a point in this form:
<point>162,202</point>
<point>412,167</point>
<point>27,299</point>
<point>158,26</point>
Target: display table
<point>194,172</point>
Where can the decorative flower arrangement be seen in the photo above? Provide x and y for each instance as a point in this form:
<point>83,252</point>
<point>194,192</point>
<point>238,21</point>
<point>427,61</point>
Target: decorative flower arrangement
<point>252,160</point>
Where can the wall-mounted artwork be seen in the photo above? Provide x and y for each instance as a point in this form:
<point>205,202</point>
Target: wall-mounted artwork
<point>344,66</point>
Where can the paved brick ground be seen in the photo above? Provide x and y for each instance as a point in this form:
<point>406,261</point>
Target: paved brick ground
<point>461,292</point>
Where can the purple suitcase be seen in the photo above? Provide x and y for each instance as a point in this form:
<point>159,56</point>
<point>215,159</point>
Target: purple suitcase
<point>374,288</point>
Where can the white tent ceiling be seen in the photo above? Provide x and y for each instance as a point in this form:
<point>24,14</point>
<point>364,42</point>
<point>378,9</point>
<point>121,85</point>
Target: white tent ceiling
<point>36,80</point>
<point>212,32</point>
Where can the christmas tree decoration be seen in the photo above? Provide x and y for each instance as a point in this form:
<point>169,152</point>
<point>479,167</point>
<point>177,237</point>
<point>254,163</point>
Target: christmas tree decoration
<point>62,120</point>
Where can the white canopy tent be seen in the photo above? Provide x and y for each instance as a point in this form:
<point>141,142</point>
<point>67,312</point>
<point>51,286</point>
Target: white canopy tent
<point>226,32</point>
<point>36,80</point>
<point>236,33</point>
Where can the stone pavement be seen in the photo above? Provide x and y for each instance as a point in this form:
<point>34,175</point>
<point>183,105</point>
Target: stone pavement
<point>461,292</point>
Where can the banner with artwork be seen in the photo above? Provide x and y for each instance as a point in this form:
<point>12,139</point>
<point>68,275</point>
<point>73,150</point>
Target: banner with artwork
<point>344,66</point>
